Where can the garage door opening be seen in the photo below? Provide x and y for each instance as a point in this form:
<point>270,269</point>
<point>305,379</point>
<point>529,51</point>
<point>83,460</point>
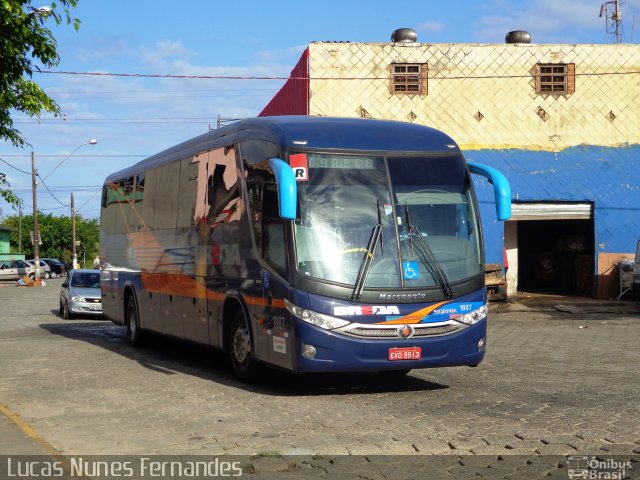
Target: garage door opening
<point>556,256</point>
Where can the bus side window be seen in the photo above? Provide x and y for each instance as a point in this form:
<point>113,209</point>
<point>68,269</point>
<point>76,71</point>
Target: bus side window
<point>166,202</point>
<point>188,192</point>
<point>217,193</point>
<point>137,222</point>
<point>116,210</point>
<point>273,244</point>
<point>268,227</point>
<point>148,200</point>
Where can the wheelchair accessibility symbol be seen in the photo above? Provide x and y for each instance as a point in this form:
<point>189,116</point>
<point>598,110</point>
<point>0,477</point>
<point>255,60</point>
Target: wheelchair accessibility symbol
<point>411,270</point>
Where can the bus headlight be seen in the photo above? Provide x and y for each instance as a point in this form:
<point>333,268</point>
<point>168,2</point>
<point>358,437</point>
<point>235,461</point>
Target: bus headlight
<point>473,317</point>
<point>318,319</point>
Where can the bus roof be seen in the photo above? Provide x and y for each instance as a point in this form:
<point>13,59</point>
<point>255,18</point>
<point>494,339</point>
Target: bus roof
<point>310,132</point>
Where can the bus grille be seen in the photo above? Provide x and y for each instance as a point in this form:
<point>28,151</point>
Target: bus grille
<point>376,332</point>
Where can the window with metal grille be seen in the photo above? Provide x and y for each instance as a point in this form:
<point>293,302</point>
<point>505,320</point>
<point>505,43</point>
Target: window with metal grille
<point>409,78</point>
<point>556,78</point>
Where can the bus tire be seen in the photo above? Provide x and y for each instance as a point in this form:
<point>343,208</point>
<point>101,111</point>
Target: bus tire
<point>245,366</point>
<point>135,334</point>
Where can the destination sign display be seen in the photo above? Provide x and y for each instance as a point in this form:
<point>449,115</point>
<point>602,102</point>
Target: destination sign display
<point>340,162</point>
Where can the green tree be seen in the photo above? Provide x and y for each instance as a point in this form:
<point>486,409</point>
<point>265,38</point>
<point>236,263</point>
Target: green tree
<point>56,236</point>
<point>6,193</point>
<point>26,44</point>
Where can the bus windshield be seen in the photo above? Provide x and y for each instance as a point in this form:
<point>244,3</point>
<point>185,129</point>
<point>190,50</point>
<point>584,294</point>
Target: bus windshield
<point>429,221</point>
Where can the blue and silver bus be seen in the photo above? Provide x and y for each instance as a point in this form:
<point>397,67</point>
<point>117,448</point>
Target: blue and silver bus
<point>313,244</point>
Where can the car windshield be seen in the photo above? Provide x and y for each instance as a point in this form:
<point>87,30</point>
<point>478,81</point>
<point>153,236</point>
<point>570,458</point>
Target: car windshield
<point>86,280</point>
<point>339,207</point>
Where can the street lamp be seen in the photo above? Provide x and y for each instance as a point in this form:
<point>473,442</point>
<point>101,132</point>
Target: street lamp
<point>34,187</point>
<point>93,141</point>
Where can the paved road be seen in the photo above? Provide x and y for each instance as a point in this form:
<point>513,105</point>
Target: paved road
<point>552,384</point>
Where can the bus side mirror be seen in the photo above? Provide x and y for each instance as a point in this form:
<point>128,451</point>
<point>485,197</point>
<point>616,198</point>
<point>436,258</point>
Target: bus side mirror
<point>287,188</point>
<point>501,188</point>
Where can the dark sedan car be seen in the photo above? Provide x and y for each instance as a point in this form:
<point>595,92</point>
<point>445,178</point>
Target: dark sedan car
<point>58,267</point>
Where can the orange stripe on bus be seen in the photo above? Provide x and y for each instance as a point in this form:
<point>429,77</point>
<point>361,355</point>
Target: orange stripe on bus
<point>186,286</point>
<point>415,317</point>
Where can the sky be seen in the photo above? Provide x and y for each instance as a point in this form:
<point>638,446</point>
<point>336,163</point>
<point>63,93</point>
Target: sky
<point>135,117</point>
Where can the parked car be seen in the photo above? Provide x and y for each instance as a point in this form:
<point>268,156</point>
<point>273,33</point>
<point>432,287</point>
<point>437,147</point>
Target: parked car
<point>80,294</point>
<point>45,269</point>
<point>16,269</point>
<point>58,268</point>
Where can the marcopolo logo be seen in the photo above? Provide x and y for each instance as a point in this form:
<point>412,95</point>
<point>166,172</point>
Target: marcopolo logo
<point>403,296</point>
<point>406,331</point>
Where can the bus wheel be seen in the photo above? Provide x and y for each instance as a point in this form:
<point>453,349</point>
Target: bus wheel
<point>245,366</point>
<point>135,334</point>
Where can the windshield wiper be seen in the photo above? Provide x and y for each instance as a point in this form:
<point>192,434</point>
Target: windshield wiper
<point>367,260</point>
<point>431,260</point>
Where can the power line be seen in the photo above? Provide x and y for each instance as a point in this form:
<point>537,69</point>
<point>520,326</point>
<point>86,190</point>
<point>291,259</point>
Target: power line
<point>152,121</point>
<point>155,97</point>
<point>22,188</point>
<point>240,77</point>
<point>15,168</point>
<point>106,121</point>
<point>159,75</point>
<point>90,198</point>
<point>210,90</point>
<point>40,155</point>
<point>50,192</point>
<point>65,187</point>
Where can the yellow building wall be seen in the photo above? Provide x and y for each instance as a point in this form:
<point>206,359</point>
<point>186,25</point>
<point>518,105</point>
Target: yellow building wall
<point>484,95</point>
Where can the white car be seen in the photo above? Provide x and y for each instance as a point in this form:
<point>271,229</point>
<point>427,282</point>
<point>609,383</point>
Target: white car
<point>45,270</point>
<point>15,269</point>
<point>80,294</point>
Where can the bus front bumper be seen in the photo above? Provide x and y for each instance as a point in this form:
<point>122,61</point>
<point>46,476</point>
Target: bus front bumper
<point>336,352</point>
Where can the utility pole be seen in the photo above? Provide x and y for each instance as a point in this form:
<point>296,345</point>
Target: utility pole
<point>613,17</point>
<point>73,233</point>
<point>36,236</point>
<point>20,228</point>
<point>618,20</point>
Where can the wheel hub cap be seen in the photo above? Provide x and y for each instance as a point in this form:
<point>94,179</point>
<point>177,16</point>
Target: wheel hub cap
<point>241,347</point>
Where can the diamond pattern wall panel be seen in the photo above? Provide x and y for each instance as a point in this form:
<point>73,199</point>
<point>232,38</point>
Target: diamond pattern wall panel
<point>484,95</point>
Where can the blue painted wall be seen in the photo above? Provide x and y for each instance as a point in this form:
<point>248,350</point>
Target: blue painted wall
<point>607,176</point>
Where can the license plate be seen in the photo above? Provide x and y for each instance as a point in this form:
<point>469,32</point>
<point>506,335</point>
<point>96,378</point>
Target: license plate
<point>95,308</point>
<point>405,353</point>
